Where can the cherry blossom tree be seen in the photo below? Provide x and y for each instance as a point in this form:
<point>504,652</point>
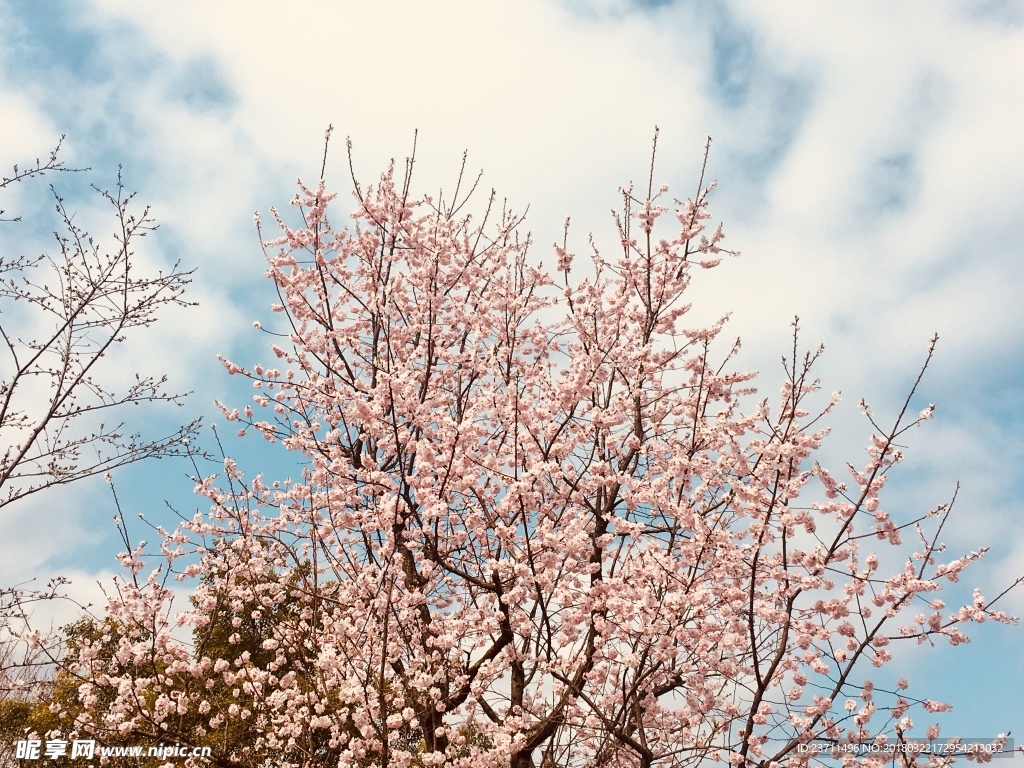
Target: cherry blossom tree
<point>540,521</point>
<point>62,415</point>
<point>61,412</point>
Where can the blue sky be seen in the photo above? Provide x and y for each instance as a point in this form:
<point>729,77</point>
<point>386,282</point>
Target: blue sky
<point>869,165</point>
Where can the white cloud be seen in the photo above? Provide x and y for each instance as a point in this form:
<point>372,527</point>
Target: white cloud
<point>48,528</point>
